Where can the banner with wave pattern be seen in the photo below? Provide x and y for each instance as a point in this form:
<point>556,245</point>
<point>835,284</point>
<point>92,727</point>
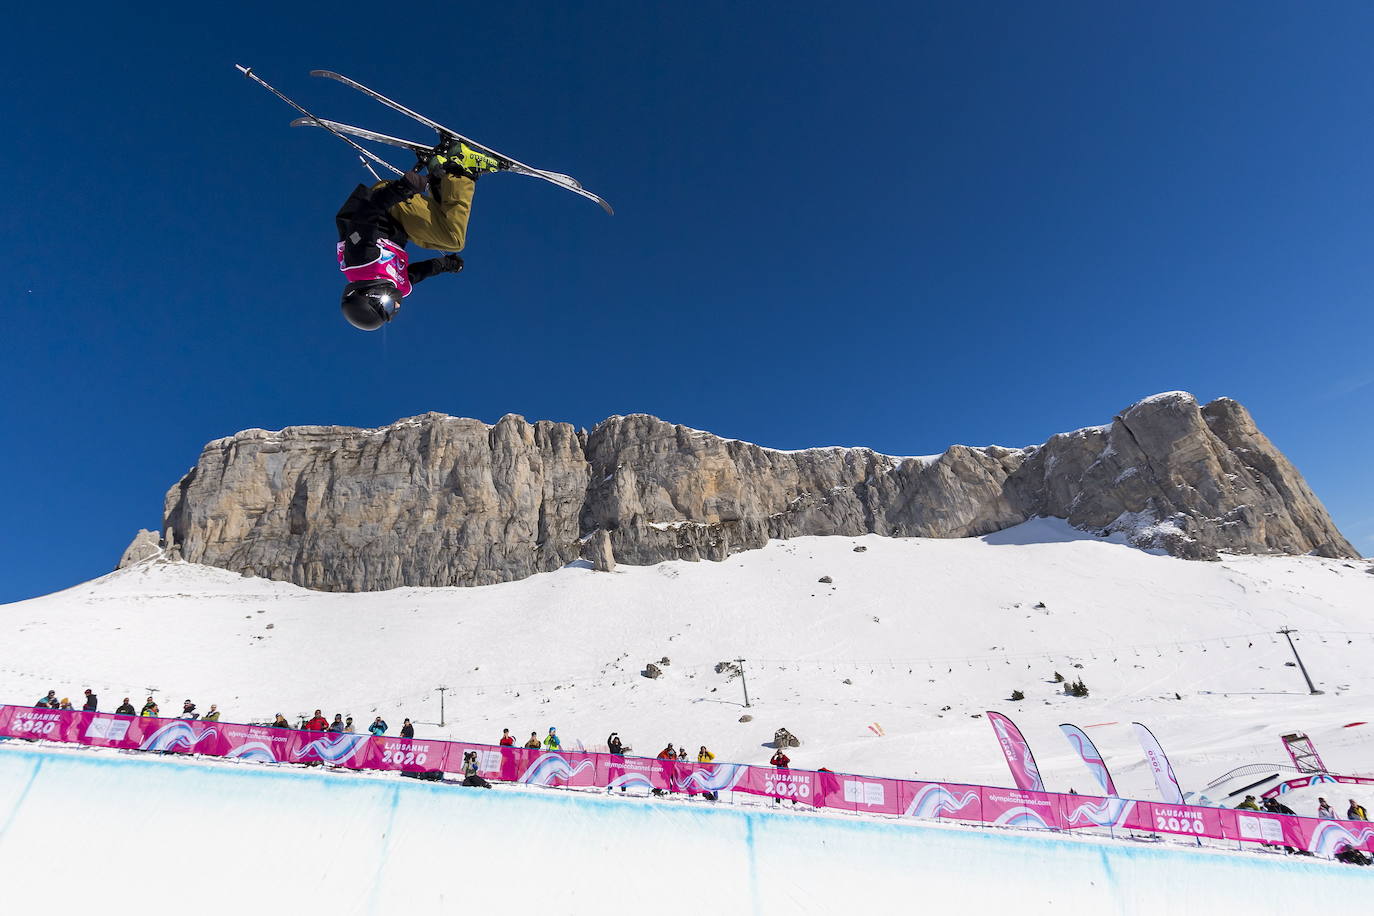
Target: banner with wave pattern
<point>973,804</point>
<point>1018,753</point>
<point>1091,758</point>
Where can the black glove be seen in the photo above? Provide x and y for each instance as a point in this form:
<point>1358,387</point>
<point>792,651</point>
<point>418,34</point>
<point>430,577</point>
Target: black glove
<point>423,270</point>
<point>415,181</point>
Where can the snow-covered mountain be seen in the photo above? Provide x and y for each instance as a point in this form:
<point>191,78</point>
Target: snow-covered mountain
<point>886,669</point>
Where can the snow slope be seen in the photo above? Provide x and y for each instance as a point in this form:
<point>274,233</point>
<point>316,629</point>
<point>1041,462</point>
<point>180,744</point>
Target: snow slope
<point>222,838</point>
<point>913,625</point>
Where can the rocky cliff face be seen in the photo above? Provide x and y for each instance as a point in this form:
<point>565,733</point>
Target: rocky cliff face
<point>436,500</point>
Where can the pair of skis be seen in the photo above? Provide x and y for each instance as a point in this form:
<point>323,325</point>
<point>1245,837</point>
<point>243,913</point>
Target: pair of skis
<point>346,132</point>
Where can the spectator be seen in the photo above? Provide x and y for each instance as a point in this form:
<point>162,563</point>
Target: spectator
<point>1352,856</point>
<point>280,722</point>
<point>149,708</point>
<point>533,743</point>
<point>616,773</point>
<point>90,704</point>
<point>471,776</point>
<point>337,726</point>
<point>377,728</point>
<point>317,723</point>
<point>509,765</point>
<point>125,709</point>
<point>1248,804</point>
<point>212,715</point>
<point>781,761</point>
<point>407,730</point>
<point>682,752</point>
<point>669,757</point>
<point>1274,806</point>
<point>48,701</point>
<point>705,757</point>
<point>551,742</point>
<point>1356,812</point>
<point>65,704</point>
<point>348,726</point>
<point>188,711</point>
<point>1324,810</point>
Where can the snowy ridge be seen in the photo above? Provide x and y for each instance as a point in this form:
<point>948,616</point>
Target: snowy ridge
<point>308,430</point>
<point>895,460</point>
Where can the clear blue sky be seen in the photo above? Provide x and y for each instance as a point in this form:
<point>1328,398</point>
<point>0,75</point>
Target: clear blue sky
<point>900,225</point>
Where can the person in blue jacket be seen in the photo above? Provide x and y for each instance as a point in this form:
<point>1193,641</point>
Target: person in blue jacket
<point>378,727</point>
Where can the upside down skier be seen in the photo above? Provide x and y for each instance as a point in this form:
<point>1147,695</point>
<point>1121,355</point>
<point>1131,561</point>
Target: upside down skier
<point>376,222</point>
<point>431,209</point>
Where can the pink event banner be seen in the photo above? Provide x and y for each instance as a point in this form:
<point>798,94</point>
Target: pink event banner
<point>1314,780</point>
<point>820,789</point>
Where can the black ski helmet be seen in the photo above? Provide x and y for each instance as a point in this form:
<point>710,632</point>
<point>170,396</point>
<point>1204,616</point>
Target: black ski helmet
<point>370,304</point>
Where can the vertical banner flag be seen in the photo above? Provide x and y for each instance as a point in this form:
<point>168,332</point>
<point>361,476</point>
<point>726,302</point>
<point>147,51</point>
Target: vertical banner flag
<point>1091,758</point>
<point>1159,765</point>
<point>1017,752</point>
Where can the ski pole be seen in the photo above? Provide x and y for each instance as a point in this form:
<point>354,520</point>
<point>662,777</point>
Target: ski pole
<point>366,153</point>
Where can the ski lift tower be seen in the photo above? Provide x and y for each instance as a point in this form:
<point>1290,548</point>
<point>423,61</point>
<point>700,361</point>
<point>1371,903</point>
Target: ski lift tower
<point>1304,755</point>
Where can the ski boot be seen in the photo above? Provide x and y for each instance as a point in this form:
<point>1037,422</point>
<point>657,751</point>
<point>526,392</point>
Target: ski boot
<point>455,155</point>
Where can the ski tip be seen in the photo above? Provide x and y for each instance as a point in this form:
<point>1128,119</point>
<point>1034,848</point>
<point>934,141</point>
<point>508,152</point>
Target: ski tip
<point>328,74</point>
<point>610,211</point>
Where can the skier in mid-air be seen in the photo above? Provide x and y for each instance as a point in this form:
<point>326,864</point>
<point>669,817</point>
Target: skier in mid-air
<point>376,222</point>
<point>430,209</point>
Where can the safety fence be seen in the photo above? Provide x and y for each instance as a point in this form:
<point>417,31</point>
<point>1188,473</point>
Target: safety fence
<point>968,804</point>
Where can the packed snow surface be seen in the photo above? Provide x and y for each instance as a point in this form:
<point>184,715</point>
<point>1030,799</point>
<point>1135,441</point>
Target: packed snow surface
<point>139,833</point>
<point>887,670</point>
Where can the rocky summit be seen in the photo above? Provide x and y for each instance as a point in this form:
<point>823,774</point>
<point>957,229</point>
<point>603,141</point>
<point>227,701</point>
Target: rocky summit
<point>436,500</point>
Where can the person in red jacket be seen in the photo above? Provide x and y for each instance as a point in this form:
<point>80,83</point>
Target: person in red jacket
<point>506,739</point>
<point>317,724</point>
<point>669,769</point>
<point>781,761</point>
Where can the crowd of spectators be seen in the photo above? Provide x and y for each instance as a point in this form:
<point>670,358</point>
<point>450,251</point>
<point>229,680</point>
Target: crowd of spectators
<point>342,724</point>
<point>91,703</point>
<point>1355,812</point>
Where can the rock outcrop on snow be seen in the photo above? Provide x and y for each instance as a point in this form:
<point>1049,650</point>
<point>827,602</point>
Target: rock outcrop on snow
<point>145,545</point>
<point>436,500</point>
